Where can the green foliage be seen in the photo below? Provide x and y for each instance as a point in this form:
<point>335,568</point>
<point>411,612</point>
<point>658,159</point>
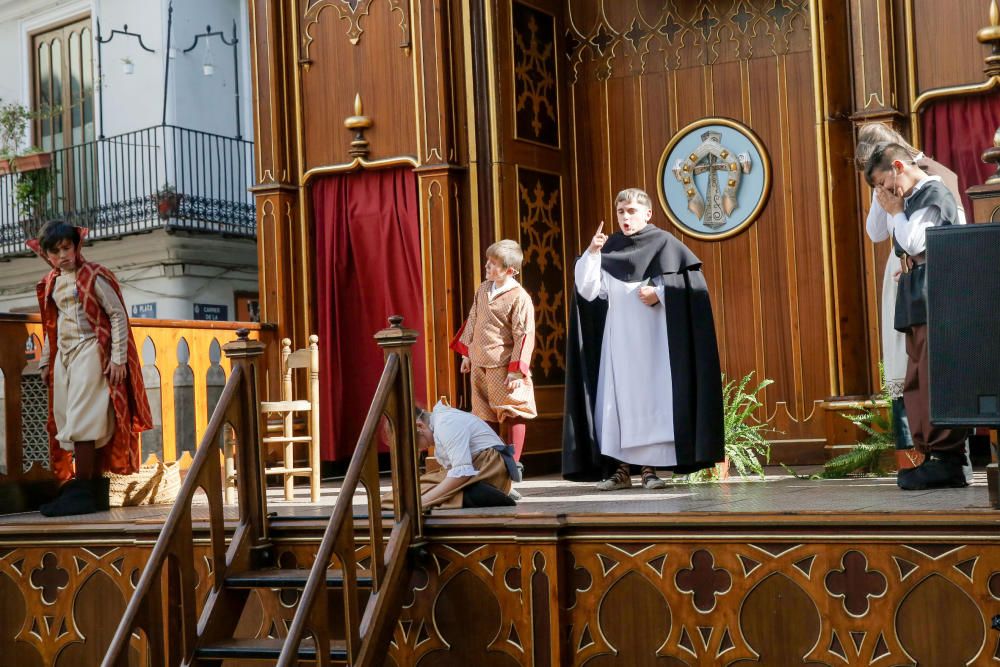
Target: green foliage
<point>866,457</point>
<point>31,192</point>
<point>746,446</point>
<point>14,120</point>
<point>32,188</point>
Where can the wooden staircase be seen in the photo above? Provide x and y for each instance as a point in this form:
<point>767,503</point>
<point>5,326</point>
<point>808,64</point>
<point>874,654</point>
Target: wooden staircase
<point>163,606</point>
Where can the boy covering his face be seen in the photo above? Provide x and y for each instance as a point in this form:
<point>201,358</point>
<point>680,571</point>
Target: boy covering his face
<point>914,202</point>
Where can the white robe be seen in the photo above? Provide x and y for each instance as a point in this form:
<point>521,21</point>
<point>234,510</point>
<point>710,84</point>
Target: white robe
<point>634,413</point>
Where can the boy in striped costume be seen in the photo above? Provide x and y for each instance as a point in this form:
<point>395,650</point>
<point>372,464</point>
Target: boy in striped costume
<point>97,401</point>
<point>496,343</point>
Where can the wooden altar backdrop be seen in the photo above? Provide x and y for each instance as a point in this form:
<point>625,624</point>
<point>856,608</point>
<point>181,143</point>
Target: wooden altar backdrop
<point>523,118</point>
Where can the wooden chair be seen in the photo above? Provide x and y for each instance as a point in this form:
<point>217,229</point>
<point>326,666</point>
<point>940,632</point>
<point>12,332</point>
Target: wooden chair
<point>288,409</point>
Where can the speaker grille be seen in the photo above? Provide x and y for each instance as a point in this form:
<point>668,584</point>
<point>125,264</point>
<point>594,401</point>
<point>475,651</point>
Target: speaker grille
<point>963,324</point>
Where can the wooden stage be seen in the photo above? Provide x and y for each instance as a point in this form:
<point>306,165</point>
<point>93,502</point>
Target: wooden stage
<point>778,572</point>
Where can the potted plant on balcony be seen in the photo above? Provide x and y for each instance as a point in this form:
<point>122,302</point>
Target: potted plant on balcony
<point>30,166</point>
<point>167,201</point>
<point>14,158</point>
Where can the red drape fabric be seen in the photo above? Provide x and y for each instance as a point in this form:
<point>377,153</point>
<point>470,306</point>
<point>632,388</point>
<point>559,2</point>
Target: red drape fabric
<point>956,131</point>
<point>367,240</point>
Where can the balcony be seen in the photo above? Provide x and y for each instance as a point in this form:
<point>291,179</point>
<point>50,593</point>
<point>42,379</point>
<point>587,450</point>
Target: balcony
<point>162,177</point>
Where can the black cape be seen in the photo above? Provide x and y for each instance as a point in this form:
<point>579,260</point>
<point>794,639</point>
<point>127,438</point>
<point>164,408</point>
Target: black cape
<point>694,355</point>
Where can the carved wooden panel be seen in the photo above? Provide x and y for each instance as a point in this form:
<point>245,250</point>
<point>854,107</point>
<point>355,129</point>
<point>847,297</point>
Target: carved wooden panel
<point>536,84</point>
<point>540,216</point>
<point>578,602</point>
<point>355,47</point>
<point>875,81</point>
<point>791,603</point>
<point>482,604</point>
<point>938,67</point>
<point>640,72</point>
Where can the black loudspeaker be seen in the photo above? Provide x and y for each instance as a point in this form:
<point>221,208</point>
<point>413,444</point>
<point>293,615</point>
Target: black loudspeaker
<point>963,324</point>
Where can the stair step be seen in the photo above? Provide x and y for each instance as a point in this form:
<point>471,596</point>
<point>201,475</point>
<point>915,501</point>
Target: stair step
<point>264,649</point>
<point>290,578</point>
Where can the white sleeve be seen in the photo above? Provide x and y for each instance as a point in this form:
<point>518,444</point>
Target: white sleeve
<point>589,277</point>
<point>115,309</point>
<point>911,232</point>
<point>658,286</point>
<point>877,224</point>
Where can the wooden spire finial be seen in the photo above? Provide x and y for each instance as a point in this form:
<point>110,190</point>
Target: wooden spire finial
<point>359,123</point>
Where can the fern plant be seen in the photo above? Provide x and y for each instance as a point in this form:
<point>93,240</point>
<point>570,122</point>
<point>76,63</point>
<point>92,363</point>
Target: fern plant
<point>746,445</point>
<point>866,457</point>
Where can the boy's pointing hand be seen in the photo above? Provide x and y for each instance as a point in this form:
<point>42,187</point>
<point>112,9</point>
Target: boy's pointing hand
<point>600,238</point>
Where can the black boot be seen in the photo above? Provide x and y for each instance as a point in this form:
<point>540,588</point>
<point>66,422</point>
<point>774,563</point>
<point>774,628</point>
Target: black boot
<point>939,470</point>
<point>77,497</point>
<point>102,493</point>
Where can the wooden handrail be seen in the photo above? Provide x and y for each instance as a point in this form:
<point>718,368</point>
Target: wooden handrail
<point>174,641</point>
<point>367,635</point>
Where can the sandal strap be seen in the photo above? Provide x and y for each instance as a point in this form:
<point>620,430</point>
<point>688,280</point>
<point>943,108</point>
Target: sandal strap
<point>622,473</point>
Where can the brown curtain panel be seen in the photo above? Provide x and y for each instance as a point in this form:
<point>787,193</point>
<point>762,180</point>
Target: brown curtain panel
<point>956,131</point>
<point>367,248</point>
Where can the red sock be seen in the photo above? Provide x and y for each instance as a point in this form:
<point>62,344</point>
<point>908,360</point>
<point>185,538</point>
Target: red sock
<point>516,429</point>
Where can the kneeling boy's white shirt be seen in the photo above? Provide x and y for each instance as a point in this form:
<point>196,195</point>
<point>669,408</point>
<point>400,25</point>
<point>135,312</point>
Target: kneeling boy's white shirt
<point>634,415</point>
<point>458,437</point>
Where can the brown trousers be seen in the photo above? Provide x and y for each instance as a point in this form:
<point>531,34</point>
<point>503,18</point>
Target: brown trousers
<point>490,468</point>
<point>916,398</point>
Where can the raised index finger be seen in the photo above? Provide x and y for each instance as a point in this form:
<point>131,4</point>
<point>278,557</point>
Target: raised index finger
<point>599,228</point>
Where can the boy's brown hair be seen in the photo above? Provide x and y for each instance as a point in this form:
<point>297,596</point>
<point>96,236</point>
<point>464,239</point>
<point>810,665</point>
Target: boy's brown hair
<point>55,231</point>
<point>882,158</point>
<point>634,194</point>
<point>508,253</point>
<point>871,135</point>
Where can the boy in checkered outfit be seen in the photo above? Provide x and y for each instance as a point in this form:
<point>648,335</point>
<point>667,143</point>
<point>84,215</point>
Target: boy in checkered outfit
<point>496,343</point>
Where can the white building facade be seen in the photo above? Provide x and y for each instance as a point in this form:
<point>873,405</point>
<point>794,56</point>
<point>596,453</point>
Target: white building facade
<point>145,120</point>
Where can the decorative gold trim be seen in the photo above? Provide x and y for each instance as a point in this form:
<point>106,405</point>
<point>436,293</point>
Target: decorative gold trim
<point>493,105</point>
<point>765,192</point>
<point>952,91</point>
<point>823,163</point>
<point>305,315</point>
<point>358,164</point>
<point>474,174</point>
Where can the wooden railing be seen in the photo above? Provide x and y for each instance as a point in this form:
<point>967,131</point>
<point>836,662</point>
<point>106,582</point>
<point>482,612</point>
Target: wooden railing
<point>367,635</point>
<point>163,605</point>
<point>184,368</point>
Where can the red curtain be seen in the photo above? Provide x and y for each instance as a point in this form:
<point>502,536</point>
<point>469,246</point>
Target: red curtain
<point>956,132</point>
<point>367,268</point>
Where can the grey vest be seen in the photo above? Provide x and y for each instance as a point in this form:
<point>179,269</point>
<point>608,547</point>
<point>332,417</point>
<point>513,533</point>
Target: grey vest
<point>911,295</point>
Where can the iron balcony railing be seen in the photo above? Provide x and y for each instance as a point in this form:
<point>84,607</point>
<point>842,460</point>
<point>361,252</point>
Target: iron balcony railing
<point>160,177</point>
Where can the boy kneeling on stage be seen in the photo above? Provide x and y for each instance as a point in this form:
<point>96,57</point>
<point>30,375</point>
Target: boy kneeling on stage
<point>477,467</point>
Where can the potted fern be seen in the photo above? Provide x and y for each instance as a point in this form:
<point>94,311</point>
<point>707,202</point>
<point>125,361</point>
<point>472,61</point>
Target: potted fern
<point>746,446</point>
<point>868,457</point>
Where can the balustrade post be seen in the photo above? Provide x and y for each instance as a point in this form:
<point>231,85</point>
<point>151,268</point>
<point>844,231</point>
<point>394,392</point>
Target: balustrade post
<point>405,476</point>
<point>248,356</point>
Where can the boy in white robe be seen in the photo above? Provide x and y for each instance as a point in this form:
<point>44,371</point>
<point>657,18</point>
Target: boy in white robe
<point>651,381</point>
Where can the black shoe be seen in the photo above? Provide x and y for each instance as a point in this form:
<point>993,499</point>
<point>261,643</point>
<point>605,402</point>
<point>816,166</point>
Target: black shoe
<point>481,494</point>
<point>77,497</point>
<point>938,471</point>
<point>102,494</point>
